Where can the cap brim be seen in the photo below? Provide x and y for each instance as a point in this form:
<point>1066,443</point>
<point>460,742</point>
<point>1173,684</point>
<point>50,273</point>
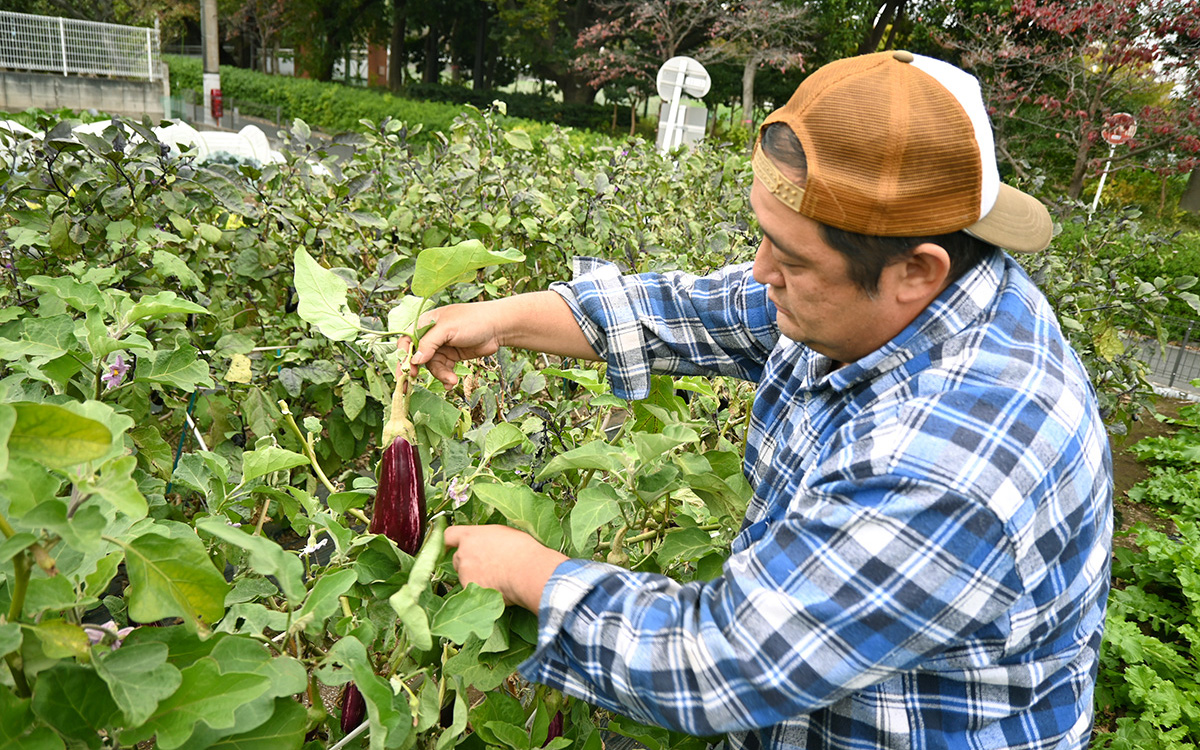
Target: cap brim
<point>1017,222</point>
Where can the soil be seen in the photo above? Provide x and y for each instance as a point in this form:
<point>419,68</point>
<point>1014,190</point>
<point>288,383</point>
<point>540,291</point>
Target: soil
<point>1127,472</point>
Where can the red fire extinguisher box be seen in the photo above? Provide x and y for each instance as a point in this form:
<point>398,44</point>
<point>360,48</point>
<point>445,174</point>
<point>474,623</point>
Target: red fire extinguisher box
<point>218,108</point>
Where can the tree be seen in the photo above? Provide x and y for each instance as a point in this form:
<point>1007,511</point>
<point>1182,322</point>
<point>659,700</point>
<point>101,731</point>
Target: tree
<point>1057,73</point>
<point>325,30</point>
<point>542,34</point>
<point>760,32</point>
<point>636,37</point>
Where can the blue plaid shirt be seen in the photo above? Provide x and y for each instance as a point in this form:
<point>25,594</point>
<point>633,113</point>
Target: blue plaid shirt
<point>925,560</point>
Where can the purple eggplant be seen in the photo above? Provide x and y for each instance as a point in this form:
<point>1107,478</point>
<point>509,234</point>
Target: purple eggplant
<point>354,708</point>
<point>555,729</point>
<point>400,499</point>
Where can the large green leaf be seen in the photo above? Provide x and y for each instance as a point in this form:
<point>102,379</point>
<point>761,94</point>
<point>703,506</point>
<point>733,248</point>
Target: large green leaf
<point>56,437</point>
<point>181,368</point>
<point>322,296</point>
<point>474,610</point>
<point>283,731</point>
<point>16,719</point>
<point>500,438</point>
<point>75,701</point>
<point>322,601</point>
<point>266,460</point>
<point>596,506</point>
<point>405,601</point>
<point>139,677</point>
<point>119,488</point>
<point>170,575</point>
<point>266,556</point>
<point>439,267</point>
<point>161,304</point>
<point>205,695</point>
<point>594,455</point>
<point>524,509</point>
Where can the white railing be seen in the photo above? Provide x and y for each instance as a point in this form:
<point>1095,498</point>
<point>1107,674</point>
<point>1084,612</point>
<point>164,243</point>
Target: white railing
<point>64,45</point>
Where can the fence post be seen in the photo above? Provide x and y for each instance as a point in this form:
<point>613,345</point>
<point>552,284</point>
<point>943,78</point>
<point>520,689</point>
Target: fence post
<point>62,43</point>
<point>1187,337</point>
<point>150,53</point>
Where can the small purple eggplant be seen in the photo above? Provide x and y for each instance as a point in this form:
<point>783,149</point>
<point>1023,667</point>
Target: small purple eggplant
<point>354,708</point>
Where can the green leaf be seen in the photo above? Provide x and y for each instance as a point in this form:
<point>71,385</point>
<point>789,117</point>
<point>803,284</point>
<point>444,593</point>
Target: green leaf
<point>266,556</point>
<point>119,488</point>
<point>266,460</point>
<point>8,418</point>
<point>81,296</point>
<point>686,545</point>
<point>474,610</point>
<point>75,701</point>
<point>500,438</point>
<point>354,398</point>
<point>205,695</point>
<point>596,506</point>
<point>283,731</point>
<point>56,437</point>
<point>403,317</point>
<point>181,368</point>
<point>405,601</point>
<point>61,640</point>
<point>432,412</point>
<point>1109,344</point>
<point>322,296</point>
<point>170,575</point>
<point>15,719</point>
<point>519,140</point>
<point>524,509</point>
<point>439,267</point>
<point>322,601</point>
<point>594,455</point>
<point>139,677</point>
<point>154,306</point>
<point>10,638</point>
<point>168,264</point>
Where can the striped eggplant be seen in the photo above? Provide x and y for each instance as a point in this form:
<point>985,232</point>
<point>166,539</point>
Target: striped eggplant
<point>400,499</point>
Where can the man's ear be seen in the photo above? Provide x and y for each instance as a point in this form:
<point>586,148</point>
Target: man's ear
<point>923,275</point>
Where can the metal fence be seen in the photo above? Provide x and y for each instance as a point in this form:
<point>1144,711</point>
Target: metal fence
<point>1177,364</point>
<point>64,45</point>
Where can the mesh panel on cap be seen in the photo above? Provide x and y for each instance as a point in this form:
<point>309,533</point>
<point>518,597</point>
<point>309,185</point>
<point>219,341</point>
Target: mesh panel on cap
<point>890,151</point>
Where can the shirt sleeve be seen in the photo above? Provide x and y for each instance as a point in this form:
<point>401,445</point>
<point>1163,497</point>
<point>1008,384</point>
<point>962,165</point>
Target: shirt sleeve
<point>675,322</point>
<point>825,602</point>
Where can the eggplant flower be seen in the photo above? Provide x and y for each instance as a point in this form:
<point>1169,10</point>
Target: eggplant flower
<point>115,373</point>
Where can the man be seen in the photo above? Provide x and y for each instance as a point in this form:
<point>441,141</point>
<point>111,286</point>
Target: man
<point>924,562</point>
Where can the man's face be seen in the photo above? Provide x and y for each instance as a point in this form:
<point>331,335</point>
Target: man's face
<point>818,304</point>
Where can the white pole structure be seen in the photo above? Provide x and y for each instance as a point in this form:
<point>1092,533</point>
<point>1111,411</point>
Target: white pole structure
<point>1103,176</point>
<point>672,129</point>
<point>62,41</point>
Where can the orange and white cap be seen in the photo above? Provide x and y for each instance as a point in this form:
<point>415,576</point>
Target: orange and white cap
<point>900,145</point>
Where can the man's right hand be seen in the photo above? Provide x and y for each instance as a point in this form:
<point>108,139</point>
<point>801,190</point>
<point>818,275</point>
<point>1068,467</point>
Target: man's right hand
<point>460,332</point>
<point>538,321</point>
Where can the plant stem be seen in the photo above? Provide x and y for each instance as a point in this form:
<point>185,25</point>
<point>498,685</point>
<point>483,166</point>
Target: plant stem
<point>20,584</point>
<point>306,442</point>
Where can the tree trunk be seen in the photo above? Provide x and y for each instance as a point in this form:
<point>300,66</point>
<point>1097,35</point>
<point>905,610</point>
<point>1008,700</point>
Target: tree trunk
<point>432,71</point>
<point>397,57</point>
<point>1075,189</point>
<point>749,70</point>
<point>479,80</point>
<point>1191,194</point>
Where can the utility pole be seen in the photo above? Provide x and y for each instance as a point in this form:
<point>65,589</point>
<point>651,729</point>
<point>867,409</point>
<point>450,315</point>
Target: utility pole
<point>212,72</point>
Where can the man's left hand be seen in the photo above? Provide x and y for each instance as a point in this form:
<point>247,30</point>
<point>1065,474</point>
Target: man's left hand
<point>505,559</point>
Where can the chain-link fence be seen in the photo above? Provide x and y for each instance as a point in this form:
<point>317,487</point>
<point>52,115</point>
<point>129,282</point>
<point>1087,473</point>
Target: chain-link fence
<point>64,45</point>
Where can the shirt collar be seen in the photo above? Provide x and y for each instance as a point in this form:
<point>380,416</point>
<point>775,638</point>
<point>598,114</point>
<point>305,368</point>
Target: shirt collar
<point>952,311</point>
